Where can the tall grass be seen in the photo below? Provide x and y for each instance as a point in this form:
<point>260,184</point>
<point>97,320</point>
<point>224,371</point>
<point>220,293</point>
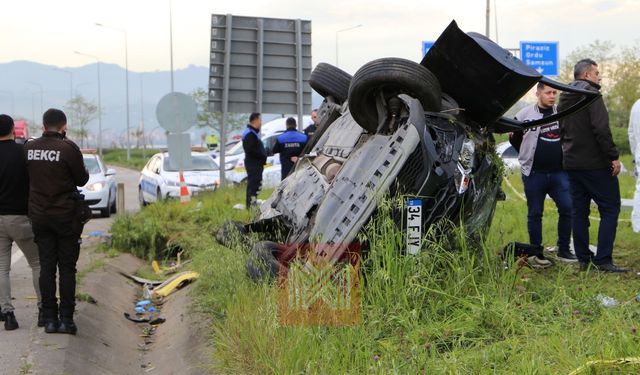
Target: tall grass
<point>450,309</point>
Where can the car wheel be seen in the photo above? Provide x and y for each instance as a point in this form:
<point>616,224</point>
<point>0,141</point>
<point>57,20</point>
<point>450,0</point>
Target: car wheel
<point>141,197</point>
<point>262,262</point>
<point>232,233</point>
<point>390,76</point>
<point>106,212</point>
<point>158,195</point>
<point>114,209</point>
<point>328,80</point>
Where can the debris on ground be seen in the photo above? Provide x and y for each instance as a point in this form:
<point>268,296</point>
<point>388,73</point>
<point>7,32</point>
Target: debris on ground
<point>606,301</point>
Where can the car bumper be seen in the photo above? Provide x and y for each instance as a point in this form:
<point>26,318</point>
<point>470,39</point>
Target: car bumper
<point>174,191</point>
<point>102,195</point>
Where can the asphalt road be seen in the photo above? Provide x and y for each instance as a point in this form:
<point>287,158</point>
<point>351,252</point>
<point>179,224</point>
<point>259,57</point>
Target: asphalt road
<point>24,349</point>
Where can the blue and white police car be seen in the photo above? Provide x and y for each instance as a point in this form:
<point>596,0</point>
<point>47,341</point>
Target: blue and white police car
<point>101,185</point>
<point>159,181</point>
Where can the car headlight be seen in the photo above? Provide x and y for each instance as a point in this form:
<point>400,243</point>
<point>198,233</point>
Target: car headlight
<point>96,186</point>
<point>172,183</point>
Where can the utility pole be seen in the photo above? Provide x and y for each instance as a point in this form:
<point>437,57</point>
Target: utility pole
<point>488,17</point>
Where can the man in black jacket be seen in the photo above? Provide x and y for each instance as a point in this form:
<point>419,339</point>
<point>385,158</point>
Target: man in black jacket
<point>591,159</point>
<point>56,168</point>
<point>255,157</point>
<point>14,223</point>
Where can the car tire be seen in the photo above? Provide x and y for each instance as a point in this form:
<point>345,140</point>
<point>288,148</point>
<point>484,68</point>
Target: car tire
<point>391,76</point>
<point>114,208</point>
<point>106,212</point>
<point>328,80</point>
<point>158,195</point>
<point>143,203</point>
<point>232,233</point>
<point>262,262</point>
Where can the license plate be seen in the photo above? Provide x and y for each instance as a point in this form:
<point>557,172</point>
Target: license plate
<point>414,226</point>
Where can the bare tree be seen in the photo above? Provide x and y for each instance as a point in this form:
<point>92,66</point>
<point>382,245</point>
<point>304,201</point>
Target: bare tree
<point>83,111</point>
<point>213,120</point>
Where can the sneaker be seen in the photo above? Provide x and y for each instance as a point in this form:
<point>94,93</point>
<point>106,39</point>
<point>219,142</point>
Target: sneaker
<point>584,266</point>
<point>68,326</point>
<point>609,267</point>
<point>535,262</point>
<point>10,322</point>
<point>566,256</point>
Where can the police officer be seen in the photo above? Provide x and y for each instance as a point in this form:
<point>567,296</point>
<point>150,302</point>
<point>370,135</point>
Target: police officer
<point>290,145</point>
<point>56,168</point>
<point>255,157</point>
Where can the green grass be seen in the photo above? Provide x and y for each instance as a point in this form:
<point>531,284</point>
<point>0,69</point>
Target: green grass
<point>139,157</point>
<point>443,311</point>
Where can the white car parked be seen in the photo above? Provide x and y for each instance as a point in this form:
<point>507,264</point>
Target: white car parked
<point>159,181</point>
<point>101,185</point>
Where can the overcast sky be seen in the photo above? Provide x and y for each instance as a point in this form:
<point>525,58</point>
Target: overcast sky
<point>48,31</point>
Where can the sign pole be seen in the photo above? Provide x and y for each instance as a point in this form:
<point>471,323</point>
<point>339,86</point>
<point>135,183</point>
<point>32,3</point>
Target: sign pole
<point>299,74</point>
<point>225,98</point>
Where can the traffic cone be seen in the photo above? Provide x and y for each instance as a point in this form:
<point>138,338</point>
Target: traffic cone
<point>185,197</point>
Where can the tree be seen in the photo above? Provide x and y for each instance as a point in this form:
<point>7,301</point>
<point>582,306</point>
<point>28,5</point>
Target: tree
<point>213,120</point>
<point>82,111</point>
<point>625,87</point>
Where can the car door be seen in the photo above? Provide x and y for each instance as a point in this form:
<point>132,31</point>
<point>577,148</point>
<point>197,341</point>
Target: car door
<point>148,183</point>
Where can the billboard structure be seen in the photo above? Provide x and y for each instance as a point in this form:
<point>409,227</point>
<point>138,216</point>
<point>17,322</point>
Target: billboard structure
<point>259,65</point>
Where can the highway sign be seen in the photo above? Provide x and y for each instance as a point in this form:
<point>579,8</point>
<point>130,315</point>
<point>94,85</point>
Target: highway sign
<point>426,46</point>
<point>177,112</point>
<point>541,56</point>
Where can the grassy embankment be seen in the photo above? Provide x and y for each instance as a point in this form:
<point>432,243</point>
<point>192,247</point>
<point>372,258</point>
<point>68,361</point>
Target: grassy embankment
<point>439,312</point>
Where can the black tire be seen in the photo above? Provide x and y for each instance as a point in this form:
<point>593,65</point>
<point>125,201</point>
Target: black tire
<point>143,203</point>
<point>106,212</point>
<point>329,80</point>
<point>391,76</point>
<point>262,262</point>
<point>158,195</point>
<point>231,233</point>
<point>114,209</point>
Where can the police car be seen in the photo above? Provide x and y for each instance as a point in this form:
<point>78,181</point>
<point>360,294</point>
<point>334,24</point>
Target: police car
<point>159,181</point>
<point>101,185</point>
<point>237,173</point>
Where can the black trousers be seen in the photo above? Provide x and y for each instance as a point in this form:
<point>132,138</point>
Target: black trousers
<point>58,243</point>
<point>254,181</point>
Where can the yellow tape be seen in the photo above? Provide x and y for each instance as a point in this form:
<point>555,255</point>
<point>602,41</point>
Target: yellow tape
<point>619,361</point>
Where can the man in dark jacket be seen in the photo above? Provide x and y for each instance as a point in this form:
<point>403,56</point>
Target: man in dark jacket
<point>56,168</point>
<point>255,157</point>
<point>289,145</point>
<point>591,159</point>
<point>311,129</point>
<point>14,223</point>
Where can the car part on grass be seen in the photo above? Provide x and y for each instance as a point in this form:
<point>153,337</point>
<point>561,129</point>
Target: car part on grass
<point>420,134</point>
<point>141,280</point>
<point>174,283</point>
<point>328,80</point>
<point>589,366</point>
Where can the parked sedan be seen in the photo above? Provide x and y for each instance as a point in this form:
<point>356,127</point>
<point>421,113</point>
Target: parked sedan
<point>159,180</point>
<point>101,185</point>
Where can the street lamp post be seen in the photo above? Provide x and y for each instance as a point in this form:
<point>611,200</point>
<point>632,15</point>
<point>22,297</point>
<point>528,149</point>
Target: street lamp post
<point>100,101</point>
<point>340,31</point>
<point>41,96</point>
<point>171,42</point>
<point>126,66</point>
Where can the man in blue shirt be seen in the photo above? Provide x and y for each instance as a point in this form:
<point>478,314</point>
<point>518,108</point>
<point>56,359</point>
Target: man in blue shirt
<point>289,145</point>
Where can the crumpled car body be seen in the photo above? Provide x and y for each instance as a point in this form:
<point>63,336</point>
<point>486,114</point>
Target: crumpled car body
<point>388,137</point>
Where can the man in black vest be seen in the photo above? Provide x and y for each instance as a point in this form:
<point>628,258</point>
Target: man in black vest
<point>56,168</point>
